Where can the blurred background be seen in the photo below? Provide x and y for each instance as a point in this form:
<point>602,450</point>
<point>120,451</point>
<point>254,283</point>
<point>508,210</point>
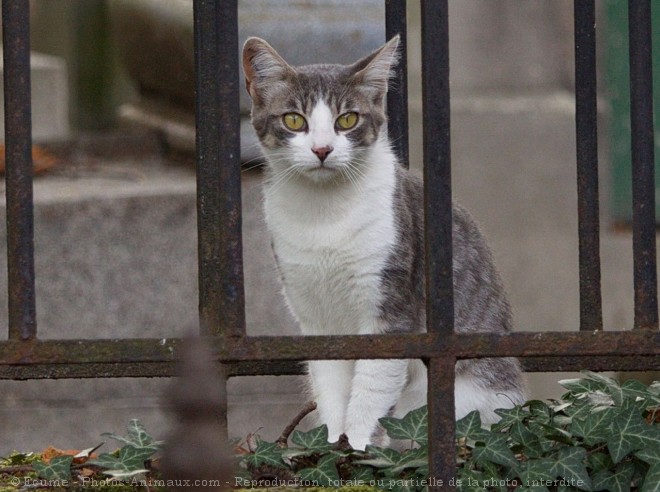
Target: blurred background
<point>115,236</point>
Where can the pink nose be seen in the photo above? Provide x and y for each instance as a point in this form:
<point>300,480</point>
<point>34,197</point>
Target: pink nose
<point>322,152</point>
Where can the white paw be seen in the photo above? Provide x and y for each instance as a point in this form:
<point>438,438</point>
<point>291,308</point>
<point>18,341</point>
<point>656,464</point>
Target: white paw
<point>358,442</point>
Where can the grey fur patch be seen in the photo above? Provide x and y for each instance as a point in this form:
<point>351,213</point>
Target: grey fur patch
<point>480,303</point>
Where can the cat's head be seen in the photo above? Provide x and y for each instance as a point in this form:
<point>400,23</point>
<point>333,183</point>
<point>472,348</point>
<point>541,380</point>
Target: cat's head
<point>318,121</point>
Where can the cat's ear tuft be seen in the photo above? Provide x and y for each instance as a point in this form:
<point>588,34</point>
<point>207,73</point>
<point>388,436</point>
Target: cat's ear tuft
<point>376,69</point>
<point>262,66</point>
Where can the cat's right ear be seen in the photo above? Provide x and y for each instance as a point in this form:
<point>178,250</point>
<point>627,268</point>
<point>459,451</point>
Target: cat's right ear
<point>263,68</point>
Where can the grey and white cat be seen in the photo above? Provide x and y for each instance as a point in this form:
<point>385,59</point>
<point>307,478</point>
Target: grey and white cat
<point>346,222</point>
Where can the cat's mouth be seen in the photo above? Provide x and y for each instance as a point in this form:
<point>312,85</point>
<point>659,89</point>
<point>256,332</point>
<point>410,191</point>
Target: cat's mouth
<point>322,171</point>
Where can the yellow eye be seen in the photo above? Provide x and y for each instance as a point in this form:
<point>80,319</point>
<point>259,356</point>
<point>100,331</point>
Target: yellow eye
<point>294,122</point>
<point>347,121</point>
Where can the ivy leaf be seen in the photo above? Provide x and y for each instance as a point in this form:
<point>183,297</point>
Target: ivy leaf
<point>496,450</point>
<point>531,446</point>
<point>650,455</point>
<point>581,385</point>
<point>324,474</point>
<point>267,453</point>
<point>619,481</point>
<point>470,480</point>
<point>315,439</point>
<point>414,426</point>
<point>129,461</point>
<point>362,474</point>
<point>595,428</point>
<point>137,436</point>
<point>535,472</point>
<point>630,432</point>
<point>469,426</point>
<point>380,457</point>
<point>58,469</point>
<point>610,386</point>
<point>651,480</point>
<point>509,416</point>
<point>570,464</point>
<point>416,458</point>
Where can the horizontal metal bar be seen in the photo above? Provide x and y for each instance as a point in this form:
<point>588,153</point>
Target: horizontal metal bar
<point>293,368</point>
<point>425,346</point>
<point>18,176</point>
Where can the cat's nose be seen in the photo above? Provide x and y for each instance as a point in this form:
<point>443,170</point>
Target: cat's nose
<point>322,152</point>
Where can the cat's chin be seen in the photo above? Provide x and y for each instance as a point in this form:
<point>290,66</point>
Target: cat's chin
<point>322,174</point>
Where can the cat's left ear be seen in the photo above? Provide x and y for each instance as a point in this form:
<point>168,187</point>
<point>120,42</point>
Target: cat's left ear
<point>375,70</point>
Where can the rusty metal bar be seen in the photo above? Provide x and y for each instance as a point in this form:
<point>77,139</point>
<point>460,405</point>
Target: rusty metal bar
<point>221,292</point>
<point>18,176</point>
<point>438,220</point>
<point>642,152</point>
<point>288,368</point>
<point>397,94</point>
<point>442,423</point>
<point>586,132</point>
<point>297,348</point>
<point>437,167</point>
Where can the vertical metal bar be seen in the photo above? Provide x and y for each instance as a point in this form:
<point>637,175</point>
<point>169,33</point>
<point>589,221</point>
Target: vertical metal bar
<point>397,95</point>
<point>221,293</point>
<point>442,423</point>
<point>586,114</point>
<point>641,123</point>
<point>437,166</point>
<point>438,236</point>
<point>18,176</point>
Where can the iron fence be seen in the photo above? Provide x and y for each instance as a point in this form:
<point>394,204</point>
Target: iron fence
<point>221,296</point>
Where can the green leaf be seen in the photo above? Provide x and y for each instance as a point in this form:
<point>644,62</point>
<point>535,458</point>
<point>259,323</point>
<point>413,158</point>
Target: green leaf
<point>619,481</point>
<point>600,461</point>
<point>58,469</point>
<point>470,480</point>
<point>610,386</point>
<point>362,473</point>
<point>469,426</point>
<point>509,416</point>
<point>595,428</point>
<point>536,473</point>
<point>651,480</point>
<point>137,436</point>
<point>129,461</point>
<point>630,432</point>
<point>650,455</point>
<point>570,465</point>
<point>324,474</point>
<point>412,459</point>
<point>496,450</point>
<point>315,439</point>
<point>267,453</point>
<point>531,446</point>
<point>380,457</point>
<point>581,385</point>
<point>414,426</point>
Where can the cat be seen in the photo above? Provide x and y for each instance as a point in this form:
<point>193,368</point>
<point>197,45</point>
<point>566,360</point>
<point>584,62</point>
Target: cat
<point>346,224</point>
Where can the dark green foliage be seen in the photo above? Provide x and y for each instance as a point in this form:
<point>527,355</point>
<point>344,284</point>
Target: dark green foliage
<point>601,436</point>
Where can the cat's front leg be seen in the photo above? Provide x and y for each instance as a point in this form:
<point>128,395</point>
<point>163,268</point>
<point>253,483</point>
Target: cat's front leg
<point>377,387</point>
<point>331,387</point>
